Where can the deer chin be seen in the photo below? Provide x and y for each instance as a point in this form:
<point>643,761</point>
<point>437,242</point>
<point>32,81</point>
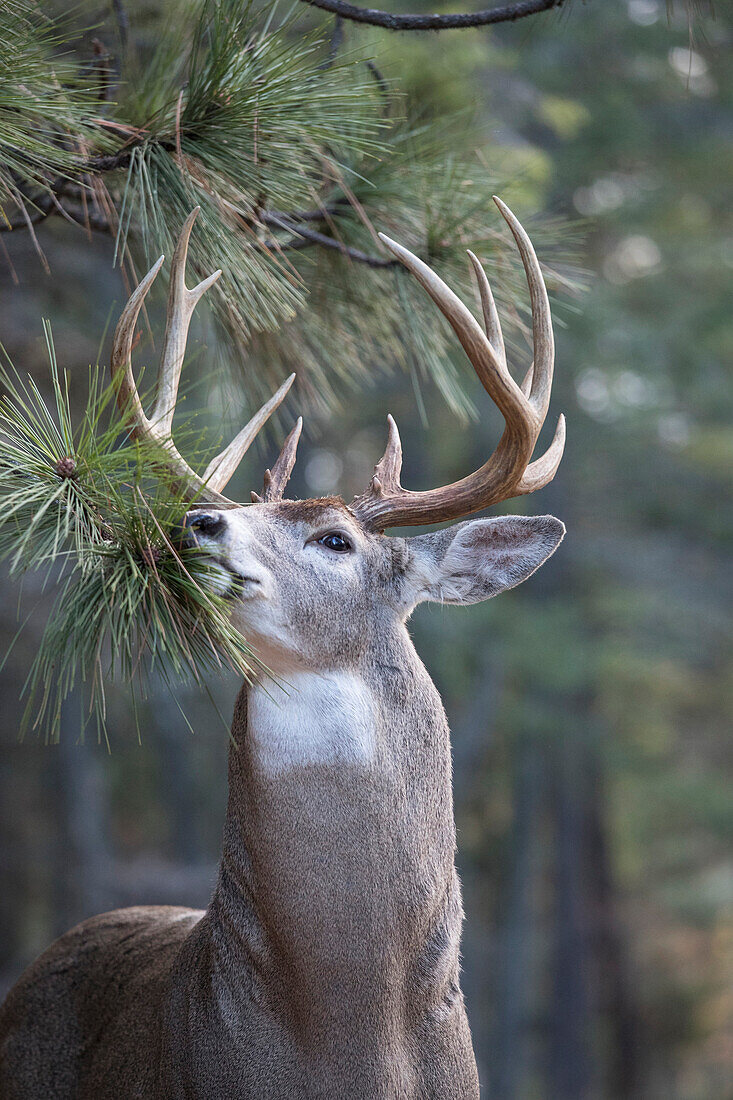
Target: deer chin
<point>271,640</point>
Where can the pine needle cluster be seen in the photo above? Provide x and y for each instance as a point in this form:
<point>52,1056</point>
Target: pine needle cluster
<point>297,154</point>
<point>256,128</point>
<point>93,510</point>
<point>45,104</point>
<point>363,323</point>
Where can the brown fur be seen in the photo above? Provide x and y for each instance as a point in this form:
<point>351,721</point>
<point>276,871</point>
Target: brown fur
<point>327,963</point>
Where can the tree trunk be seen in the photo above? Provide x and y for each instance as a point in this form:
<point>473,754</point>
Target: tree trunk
<point>570,1033</point>
<point>514,985</point>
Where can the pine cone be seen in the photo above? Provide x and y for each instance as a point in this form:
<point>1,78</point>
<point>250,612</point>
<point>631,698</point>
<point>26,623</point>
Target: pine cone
<point>151,555</point>
<point>66,467</point>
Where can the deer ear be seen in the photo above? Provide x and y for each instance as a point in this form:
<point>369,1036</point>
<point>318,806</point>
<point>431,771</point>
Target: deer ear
<point>479,558</point>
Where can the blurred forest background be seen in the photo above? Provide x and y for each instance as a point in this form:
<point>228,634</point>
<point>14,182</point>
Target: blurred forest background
<point>591,708</point>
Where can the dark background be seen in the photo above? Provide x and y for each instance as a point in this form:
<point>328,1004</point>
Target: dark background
<point>590,708</point>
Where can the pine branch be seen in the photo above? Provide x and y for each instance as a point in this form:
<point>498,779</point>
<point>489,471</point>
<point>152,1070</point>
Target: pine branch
<point>95,507</point>
<point>294,164</point>
<point>283,221</point>
<point>47,205</point>
<point>508,13</point>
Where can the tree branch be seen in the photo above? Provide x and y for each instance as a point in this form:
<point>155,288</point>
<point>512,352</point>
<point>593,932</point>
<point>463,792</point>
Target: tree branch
<point>281,221</point>
<point>109,162</point>
<point>47,205</point>
<point>507,13</point>
<point>71,212</point>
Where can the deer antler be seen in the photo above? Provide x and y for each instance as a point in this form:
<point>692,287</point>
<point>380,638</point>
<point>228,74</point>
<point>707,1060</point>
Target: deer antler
<point>509,472</point>
<point>277,478</point>
<point>157,427</point>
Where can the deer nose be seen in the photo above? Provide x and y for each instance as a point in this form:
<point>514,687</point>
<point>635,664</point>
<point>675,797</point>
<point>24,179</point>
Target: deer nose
<point>209,524</point>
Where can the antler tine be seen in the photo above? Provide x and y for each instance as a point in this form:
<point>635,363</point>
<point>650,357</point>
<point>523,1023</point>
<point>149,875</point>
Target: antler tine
<point>387,472</point>
<point>542,335</point>
<point>541,472</point>
<point>221,468</point>
<point>128,398</point>
<point>491,315</point>
<point>277,478</point>
<point>537,384</point>
<point>508,471</point>
<point>157,427</point>
<point>181,304</point>
<point>489,366</point>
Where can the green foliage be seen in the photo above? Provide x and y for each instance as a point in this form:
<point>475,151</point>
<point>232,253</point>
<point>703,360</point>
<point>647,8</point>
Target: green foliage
<point>362,322</point>
<point>261,123</point>
<point>250,114</point>
<point>44,103</point>
<point>264,124</point>
<point>96,514</point>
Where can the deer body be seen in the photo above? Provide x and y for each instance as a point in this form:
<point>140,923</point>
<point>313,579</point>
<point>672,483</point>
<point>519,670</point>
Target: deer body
<point>337,892</point>
<point>326,966</point>
<point>327,962</point>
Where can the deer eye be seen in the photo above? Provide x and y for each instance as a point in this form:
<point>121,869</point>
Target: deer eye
<point>334,541</point>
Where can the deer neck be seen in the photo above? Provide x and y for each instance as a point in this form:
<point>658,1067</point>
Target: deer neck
<point>337,894</point>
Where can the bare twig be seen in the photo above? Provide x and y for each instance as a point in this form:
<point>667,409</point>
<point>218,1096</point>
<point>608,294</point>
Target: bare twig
<point>110,162</point>
<point>507,13</point>
<point>48,205</point>
<point>73,209</point>
<point>379,79</point>
<point>281,221</point>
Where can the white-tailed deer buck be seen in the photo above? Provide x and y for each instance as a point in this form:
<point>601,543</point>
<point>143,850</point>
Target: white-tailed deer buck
<point>327,963</point>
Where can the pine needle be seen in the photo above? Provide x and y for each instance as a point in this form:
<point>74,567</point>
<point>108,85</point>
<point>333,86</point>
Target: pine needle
<point>94,509</point>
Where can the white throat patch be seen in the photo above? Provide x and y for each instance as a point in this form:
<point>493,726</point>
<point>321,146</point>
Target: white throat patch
<point>325,718</point>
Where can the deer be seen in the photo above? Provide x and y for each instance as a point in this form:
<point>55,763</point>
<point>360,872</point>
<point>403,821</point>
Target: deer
<point>327,963</point>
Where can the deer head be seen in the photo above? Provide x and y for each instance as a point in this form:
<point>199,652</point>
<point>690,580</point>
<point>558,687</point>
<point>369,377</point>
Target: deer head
<point>314,582</point>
